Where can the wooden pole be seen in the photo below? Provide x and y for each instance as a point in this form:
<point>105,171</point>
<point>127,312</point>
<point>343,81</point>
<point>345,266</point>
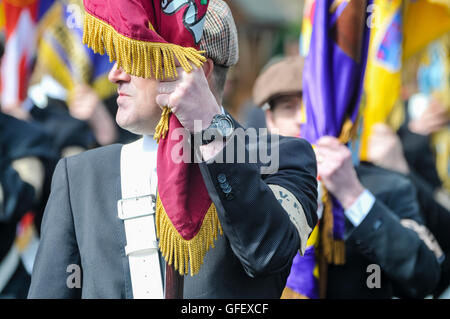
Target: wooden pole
<point>174,283</point>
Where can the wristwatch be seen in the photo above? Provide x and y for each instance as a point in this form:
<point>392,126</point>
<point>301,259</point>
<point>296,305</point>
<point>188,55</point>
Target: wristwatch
<point>221,127</point>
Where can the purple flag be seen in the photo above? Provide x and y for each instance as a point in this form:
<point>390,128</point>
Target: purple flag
<point>333,75</point>
<point>334,67</point>
<point>332,86</point>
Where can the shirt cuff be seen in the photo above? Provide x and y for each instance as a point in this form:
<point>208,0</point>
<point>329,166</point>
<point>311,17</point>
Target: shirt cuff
<point>360,208</point>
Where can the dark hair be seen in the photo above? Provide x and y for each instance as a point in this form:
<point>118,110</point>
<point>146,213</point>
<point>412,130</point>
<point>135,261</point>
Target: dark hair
<point>220,76</point>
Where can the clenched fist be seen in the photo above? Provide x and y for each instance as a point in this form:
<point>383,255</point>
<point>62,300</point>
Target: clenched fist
<point>336,171</point>
<point>190,99</point>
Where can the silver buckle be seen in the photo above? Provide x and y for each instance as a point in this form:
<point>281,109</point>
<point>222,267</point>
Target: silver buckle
<point>135,207</point>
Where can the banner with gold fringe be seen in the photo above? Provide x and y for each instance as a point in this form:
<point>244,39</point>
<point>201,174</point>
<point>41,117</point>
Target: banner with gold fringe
<point>186,219</point>
<point>145,37</point>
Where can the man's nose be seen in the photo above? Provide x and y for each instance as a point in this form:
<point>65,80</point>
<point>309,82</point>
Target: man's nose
<point>117,74</point>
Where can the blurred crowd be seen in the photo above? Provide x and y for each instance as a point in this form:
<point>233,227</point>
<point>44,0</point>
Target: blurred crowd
<point>402,226</point>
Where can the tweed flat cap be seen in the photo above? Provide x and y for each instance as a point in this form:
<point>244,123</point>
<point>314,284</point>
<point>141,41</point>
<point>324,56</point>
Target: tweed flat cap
<point>281,78</point>
<point>220,38</point>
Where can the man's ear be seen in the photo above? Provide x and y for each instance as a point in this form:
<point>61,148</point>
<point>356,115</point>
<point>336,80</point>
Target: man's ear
<point>208,68</point>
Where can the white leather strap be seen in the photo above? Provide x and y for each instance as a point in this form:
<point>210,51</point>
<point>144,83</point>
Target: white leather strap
<point>8,266</point>
<point>137,210</point>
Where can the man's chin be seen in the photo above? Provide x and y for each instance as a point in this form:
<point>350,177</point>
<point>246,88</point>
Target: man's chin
<point>125,123</point>
<point>135,127</point>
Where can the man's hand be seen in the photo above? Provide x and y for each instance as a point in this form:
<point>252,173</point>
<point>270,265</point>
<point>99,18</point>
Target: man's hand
<point>336,171</point>
<point>84,102</point>
<point>434,118</point>
<point>190,99</point>
<point>385,149</point>
<point>16,111</point>
<point>86,105</point>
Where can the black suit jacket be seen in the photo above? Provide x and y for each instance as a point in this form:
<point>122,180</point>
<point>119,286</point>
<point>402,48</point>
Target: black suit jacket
<point>408,267</point>
<point>251,260</point>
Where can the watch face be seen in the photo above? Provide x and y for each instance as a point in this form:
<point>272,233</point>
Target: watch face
<point>225,127</point>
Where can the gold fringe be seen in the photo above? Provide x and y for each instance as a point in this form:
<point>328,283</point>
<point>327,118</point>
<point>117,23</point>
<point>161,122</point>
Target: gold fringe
<point>163,125</point>
<point>348,131</point>
<point>186,254</point>
<point>332,250</point>
<point>135,57</point>
<point>288,293</point>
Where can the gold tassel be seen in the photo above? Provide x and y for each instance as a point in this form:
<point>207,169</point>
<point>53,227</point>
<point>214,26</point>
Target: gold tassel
<point>291,294</point>
<point>348,131</point>
<point>185,254</point>
<point>332,250</point>
<point>163,126</point>
<point>135,57</point>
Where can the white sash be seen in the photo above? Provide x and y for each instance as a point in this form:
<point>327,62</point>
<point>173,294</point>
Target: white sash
<point>8,266</point>
<point>137,210</point>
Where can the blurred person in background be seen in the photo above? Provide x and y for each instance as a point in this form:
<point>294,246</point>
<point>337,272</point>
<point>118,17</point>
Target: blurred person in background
<point>77,79</point>
<point>422,142</point>
<point>27,161</point>
<point>379,206</point>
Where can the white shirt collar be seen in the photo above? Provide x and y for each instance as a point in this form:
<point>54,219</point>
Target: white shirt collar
<point>149,144</point>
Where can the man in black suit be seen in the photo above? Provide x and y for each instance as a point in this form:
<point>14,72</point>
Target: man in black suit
<point>266,217</point>
<point>383,225</point>
<point>404,153</point>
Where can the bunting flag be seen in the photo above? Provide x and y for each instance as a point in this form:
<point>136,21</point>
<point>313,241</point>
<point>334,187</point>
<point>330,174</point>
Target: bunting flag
<point>63,55</point>
<point>400,30</point>
<point>21,21</point>
<point>332,85</point>
<point>144,38</point>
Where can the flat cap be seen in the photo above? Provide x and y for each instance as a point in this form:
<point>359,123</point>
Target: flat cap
<point>220,37</point>
<point>282,78</point>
